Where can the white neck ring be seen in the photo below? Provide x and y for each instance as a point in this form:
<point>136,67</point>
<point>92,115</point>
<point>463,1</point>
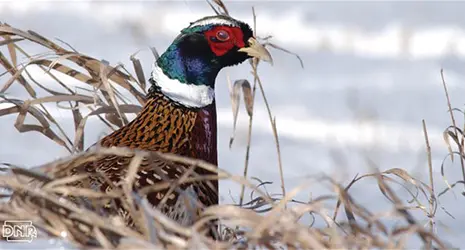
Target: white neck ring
<point>187,94</point>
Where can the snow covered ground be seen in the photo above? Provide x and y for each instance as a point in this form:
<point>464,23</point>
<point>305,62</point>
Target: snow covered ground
<point>372,73</point>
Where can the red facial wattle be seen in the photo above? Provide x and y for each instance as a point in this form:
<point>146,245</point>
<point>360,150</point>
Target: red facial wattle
<point>223,38</point>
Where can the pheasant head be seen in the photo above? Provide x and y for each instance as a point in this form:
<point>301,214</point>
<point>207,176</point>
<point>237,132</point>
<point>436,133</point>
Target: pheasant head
<point>187,70</point>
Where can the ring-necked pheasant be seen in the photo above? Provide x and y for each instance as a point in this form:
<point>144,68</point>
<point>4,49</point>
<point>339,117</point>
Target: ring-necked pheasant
<point>180,114</point>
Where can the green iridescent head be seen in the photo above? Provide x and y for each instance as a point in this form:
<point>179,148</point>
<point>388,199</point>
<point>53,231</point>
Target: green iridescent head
<point>205,47</point>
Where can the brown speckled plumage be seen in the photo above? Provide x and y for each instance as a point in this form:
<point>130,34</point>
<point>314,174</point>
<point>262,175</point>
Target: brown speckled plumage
<point>166,127</point>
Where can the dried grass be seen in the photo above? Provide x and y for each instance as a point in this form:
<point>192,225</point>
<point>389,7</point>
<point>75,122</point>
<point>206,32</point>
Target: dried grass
<point>268,221</point>
<point>39,197</point>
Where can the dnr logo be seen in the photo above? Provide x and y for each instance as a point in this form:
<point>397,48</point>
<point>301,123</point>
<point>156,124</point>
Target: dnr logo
<point>18,231</point>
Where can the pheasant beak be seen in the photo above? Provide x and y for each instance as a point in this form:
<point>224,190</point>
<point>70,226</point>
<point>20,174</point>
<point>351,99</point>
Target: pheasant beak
<point>257,50</point>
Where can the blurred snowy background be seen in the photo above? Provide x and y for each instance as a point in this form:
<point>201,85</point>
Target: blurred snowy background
<point>372,73</point>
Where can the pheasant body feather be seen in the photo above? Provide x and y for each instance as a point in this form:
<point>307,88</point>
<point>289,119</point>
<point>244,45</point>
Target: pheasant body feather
<point>166,127</point>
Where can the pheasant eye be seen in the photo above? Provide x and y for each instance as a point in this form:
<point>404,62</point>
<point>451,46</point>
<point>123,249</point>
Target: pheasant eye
<point>222,35</point>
